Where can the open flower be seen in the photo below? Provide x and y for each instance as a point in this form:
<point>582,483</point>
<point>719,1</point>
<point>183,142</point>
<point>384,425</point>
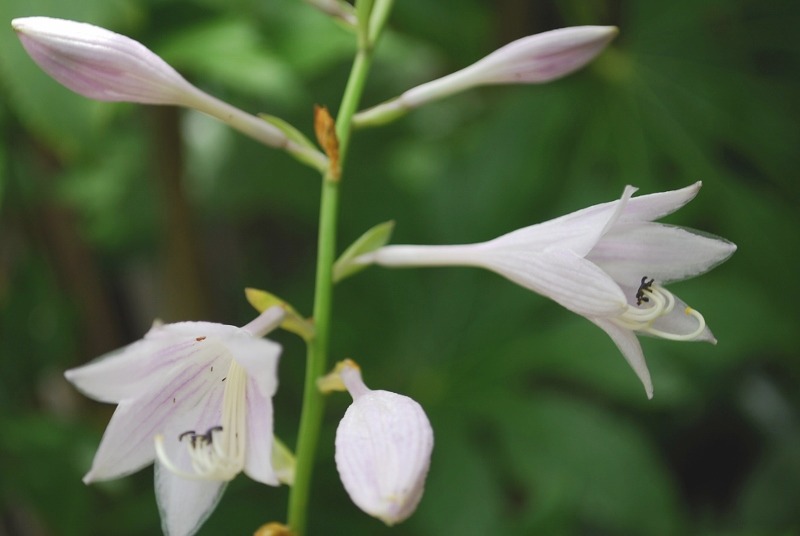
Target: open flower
<point>383,447</point>
<point>196,397</point>
<point>104,65</point>
<point>608,262</point>
<point>535,59</point>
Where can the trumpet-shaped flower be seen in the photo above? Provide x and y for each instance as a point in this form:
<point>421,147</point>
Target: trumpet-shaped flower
<point>104,65</point>
<point>608,262</point>
<point>196,398</point>
<point>535,59</point>
<point>383,448</point>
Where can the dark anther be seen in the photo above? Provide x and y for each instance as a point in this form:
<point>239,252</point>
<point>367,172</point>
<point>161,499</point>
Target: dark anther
<point>208,435</point>
<point>194,436</point>
<point>643,286</point>
<point>200,339</point>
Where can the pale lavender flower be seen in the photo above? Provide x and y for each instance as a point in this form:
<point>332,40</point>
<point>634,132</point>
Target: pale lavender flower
<point>608,262</point>
<point>104,65</point>
<point>383,449</point>
<point>534,59</point>
<point>196,398</point>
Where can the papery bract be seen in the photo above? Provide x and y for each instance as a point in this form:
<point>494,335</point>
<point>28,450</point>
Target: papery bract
<point>607,262</point>
<point>196,397</point>
<point>383,450</point>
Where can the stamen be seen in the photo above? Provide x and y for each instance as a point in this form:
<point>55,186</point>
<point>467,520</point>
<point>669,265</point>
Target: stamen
<point>643,287</point>
<point>663,302</point>
<point>218,454</point>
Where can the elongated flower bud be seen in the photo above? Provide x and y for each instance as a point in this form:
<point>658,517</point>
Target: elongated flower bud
<point>103,65</point>
<point>531,60</point>
<point>100,64</point>
<point>383,449</point>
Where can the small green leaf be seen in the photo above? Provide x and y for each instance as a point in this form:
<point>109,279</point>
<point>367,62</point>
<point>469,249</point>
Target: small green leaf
<point>293,322</point>
<point>290,130</point>
<point>373,239</point>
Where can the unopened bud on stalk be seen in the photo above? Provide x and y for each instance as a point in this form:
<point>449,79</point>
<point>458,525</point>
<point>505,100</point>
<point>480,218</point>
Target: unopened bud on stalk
<point>534,59</point>
<point>383,449</point>
<point>103,65</point>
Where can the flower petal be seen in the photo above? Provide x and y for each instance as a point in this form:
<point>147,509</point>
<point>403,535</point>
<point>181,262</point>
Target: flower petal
<point>184,504</point>
<point>629,345</point>
<point>666,253</point>
<point>259,357</point>
<point>258,452</point>
<point>679,322</point>
<point>562,276</point>
<point>188,396</point>
<point>654,206</point>
<point>578,231</point>
<point>126,372</point>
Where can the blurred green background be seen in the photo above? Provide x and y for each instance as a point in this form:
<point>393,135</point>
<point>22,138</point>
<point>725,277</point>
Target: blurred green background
<point>114,214</point>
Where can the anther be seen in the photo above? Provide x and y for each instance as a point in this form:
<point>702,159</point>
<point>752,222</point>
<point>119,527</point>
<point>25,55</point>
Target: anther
<point>644,286</point>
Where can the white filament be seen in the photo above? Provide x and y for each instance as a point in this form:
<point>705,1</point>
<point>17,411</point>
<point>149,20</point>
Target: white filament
<point>220,453</point>
<point>663,302</point>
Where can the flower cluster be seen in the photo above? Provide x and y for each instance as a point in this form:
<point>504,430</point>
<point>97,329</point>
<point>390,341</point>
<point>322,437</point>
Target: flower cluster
<point>195,398</point>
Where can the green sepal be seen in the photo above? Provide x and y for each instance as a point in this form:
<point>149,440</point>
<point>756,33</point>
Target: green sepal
<point>373,239</point>
<point>293,322</point>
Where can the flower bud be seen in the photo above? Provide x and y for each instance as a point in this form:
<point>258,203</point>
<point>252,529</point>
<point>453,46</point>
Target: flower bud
<point>98,63</point>
<point>103,65</point>
<point>383,449</point>
<point>531,60</point>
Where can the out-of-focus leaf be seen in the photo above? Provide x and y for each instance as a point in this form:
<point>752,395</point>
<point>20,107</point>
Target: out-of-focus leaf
<point>462,493</point>
<point>768,502</point>
<point>231,52</point>
<point>575,458</point>
<point>113,195</point>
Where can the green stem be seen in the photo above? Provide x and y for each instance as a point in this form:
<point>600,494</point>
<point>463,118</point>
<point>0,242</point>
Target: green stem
<point>317,355</point>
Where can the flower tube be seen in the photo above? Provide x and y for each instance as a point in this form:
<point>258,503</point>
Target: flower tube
<point>608,263</point>
<point>196,398</point>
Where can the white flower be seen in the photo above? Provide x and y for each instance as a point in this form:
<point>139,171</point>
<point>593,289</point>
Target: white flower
<point>104,65</point>
<point>196,397</point>
<point>608,262</point>
<point>535,59</point>
<point>383,449</point>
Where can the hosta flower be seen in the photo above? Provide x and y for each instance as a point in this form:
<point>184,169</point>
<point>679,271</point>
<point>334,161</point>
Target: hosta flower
<point>103,65</point>
<point>608,262</point>
<point>531,60</point>
<point>383,449</point>
<point>196,397</point>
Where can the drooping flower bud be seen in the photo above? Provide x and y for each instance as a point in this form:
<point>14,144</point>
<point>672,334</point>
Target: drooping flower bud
<point>104,65</point>
<point>531,60</point>
<point>383,449</point>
